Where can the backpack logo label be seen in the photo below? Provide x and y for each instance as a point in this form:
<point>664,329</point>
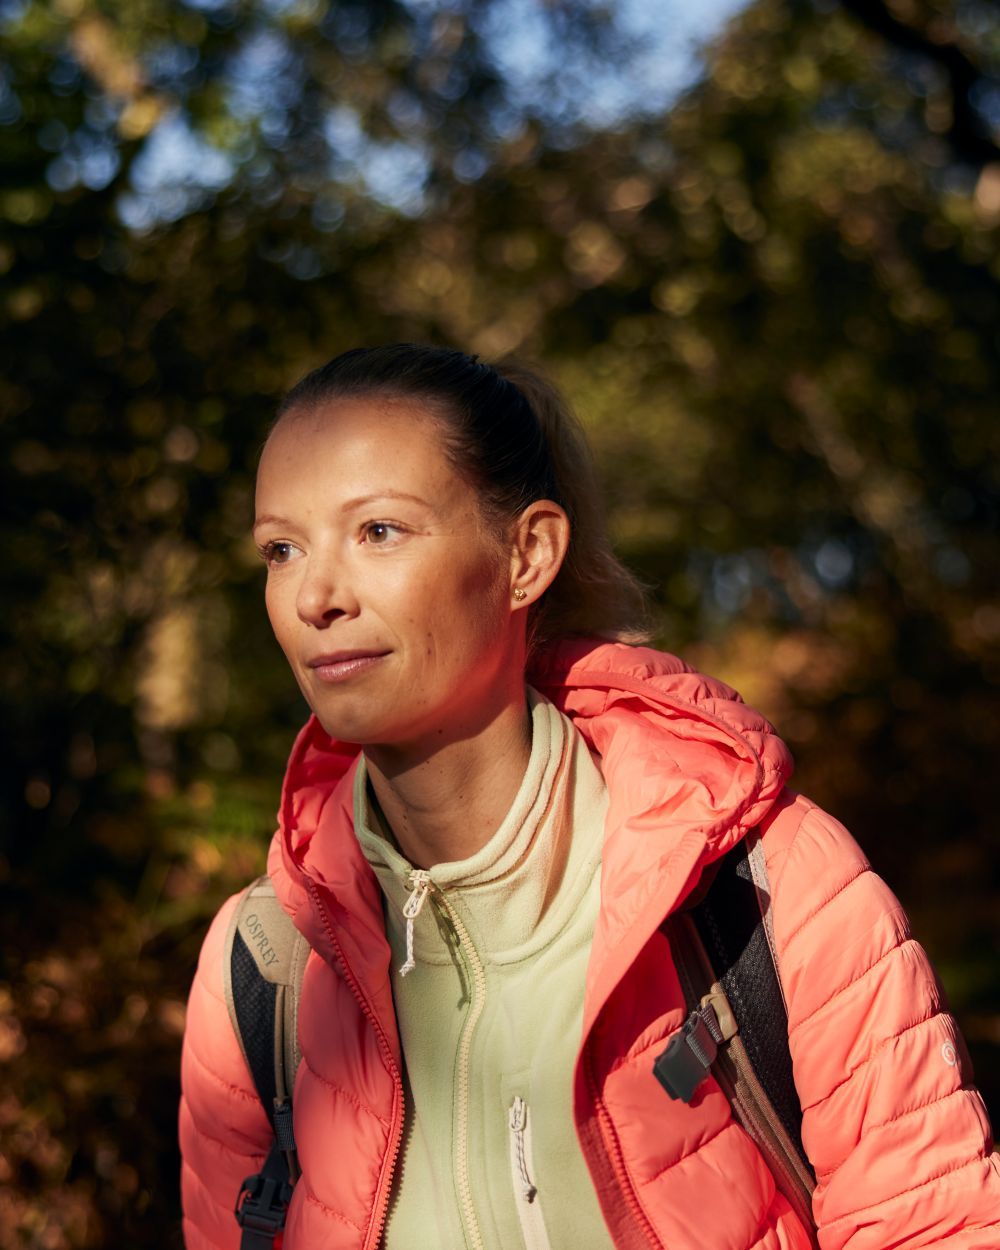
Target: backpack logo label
<point>255,927</point>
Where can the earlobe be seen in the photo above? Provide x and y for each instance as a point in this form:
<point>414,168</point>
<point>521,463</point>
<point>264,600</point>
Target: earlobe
<point>541,539</point>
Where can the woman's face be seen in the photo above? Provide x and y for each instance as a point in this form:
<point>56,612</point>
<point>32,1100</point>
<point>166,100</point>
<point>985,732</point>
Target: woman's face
<point>387,593</point>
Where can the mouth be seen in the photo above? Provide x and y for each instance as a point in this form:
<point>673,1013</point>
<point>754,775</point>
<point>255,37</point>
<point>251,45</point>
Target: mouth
<point>342,665</point>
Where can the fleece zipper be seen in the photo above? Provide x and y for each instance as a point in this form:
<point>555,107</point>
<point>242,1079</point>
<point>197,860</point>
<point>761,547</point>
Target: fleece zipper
<point>423,888</point>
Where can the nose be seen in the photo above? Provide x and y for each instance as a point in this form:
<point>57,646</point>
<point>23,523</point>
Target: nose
<point>323,595</point>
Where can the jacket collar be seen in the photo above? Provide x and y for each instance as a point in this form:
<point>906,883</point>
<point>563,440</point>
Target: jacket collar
<point>690,769</point>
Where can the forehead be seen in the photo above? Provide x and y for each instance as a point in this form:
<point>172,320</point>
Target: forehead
<point>375,442</point>
<point>358,413</point>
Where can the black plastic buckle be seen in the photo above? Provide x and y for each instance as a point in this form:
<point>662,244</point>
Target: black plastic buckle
<point>683,1066</point>
<point>262,1204</point>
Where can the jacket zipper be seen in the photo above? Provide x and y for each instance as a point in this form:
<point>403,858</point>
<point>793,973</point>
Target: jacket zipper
<point>477,977</point>
<point>529,1208</point>
<point>381,1208</point>
<point>736,1078</point>
<point>613,1154</point>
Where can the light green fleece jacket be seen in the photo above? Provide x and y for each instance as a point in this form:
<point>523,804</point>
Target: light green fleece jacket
<point>490,1012</point>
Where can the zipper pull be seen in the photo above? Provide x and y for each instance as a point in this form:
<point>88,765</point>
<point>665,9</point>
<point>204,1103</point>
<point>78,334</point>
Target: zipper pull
<point>420,884</point>
<point>518,1120</point>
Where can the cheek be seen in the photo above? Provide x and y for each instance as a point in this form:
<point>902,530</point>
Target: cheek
<point>280,611</point>
<point>471,609</point>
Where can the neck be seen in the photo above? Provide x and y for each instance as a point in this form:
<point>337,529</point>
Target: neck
<point>446,805</point>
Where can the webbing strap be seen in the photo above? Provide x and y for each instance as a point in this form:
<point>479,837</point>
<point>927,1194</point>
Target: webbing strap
<point>730,925</point>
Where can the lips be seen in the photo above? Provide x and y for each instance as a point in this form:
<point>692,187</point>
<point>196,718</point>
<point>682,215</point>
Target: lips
<point>342,665</point>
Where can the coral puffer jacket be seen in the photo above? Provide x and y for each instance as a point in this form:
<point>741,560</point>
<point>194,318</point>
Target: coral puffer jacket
<point>899,1140</point>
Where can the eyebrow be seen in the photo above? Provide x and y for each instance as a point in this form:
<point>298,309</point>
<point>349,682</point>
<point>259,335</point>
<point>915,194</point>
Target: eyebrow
<point>351,504</point>
<point>361,500</point>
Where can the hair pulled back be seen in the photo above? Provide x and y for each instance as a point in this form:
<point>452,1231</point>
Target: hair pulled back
<point>510,433</point>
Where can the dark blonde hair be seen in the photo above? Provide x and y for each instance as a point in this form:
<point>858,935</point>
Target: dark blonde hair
<point>512,435</point>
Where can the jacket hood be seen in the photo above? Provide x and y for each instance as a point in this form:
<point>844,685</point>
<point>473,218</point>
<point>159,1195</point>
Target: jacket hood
<point>690,770</point>
<point>689,767</point>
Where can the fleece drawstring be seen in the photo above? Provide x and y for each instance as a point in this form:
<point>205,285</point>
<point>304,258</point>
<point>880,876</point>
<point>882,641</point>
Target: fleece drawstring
<point>420,884</point>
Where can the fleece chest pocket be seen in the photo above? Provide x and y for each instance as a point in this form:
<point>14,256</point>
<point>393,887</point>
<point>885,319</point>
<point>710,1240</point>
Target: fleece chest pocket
<point>527,1197</point>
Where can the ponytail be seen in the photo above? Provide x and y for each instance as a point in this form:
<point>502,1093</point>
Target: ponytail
<point>593,593</point>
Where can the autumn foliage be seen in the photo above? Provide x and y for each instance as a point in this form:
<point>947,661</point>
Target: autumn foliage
<point>774,299</point>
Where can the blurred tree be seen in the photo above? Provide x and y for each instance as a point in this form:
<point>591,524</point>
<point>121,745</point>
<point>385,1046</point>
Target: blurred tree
<point>776,302</point>
<point>940,35</point>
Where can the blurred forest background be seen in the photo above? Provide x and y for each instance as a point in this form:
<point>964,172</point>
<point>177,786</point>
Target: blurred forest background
<point>773,289</point>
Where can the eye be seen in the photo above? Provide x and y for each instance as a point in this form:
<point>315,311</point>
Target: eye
<point>277,552</point>
<point>380,533</point>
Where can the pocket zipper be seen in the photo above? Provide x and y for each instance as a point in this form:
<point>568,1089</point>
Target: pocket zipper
<point>529,1207</point>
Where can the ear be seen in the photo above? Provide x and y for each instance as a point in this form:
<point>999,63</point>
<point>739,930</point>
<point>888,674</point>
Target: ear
<point>539,543</point>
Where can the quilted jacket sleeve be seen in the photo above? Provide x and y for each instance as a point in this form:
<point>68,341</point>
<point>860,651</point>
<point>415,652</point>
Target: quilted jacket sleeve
<point>897,1135</point>
<point>224,1133</point>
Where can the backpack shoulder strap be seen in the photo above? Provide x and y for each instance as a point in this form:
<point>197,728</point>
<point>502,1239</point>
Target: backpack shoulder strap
<point>723,949</point>
<point>734,923</point>
<point>264,960</point>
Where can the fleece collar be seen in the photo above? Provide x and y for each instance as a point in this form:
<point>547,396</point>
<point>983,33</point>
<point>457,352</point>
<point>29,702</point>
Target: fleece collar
<point>689,768</point>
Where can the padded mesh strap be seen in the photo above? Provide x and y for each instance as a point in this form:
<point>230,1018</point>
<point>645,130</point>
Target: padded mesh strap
<point>254,1000</point>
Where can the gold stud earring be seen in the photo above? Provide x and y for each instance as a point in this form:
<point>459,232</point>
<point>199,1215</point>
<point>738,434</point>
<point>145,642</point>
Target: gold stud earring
<point>519,594</point>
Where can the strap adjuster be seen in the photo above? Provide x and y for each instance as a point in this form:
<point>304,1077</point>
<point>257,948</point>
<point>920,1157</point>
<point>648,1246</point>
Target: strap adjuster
<point>262,1204</point>
<point>690,1053</point>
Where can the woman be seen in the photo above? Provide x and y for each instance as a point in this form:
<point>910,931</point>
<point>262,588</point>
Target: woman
<point>482,867</point>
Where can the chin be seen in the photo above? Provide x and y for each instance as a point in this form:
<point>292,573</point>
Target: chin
<point>360,727</point>
<point>346,728</point>
<point>343,715</point>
